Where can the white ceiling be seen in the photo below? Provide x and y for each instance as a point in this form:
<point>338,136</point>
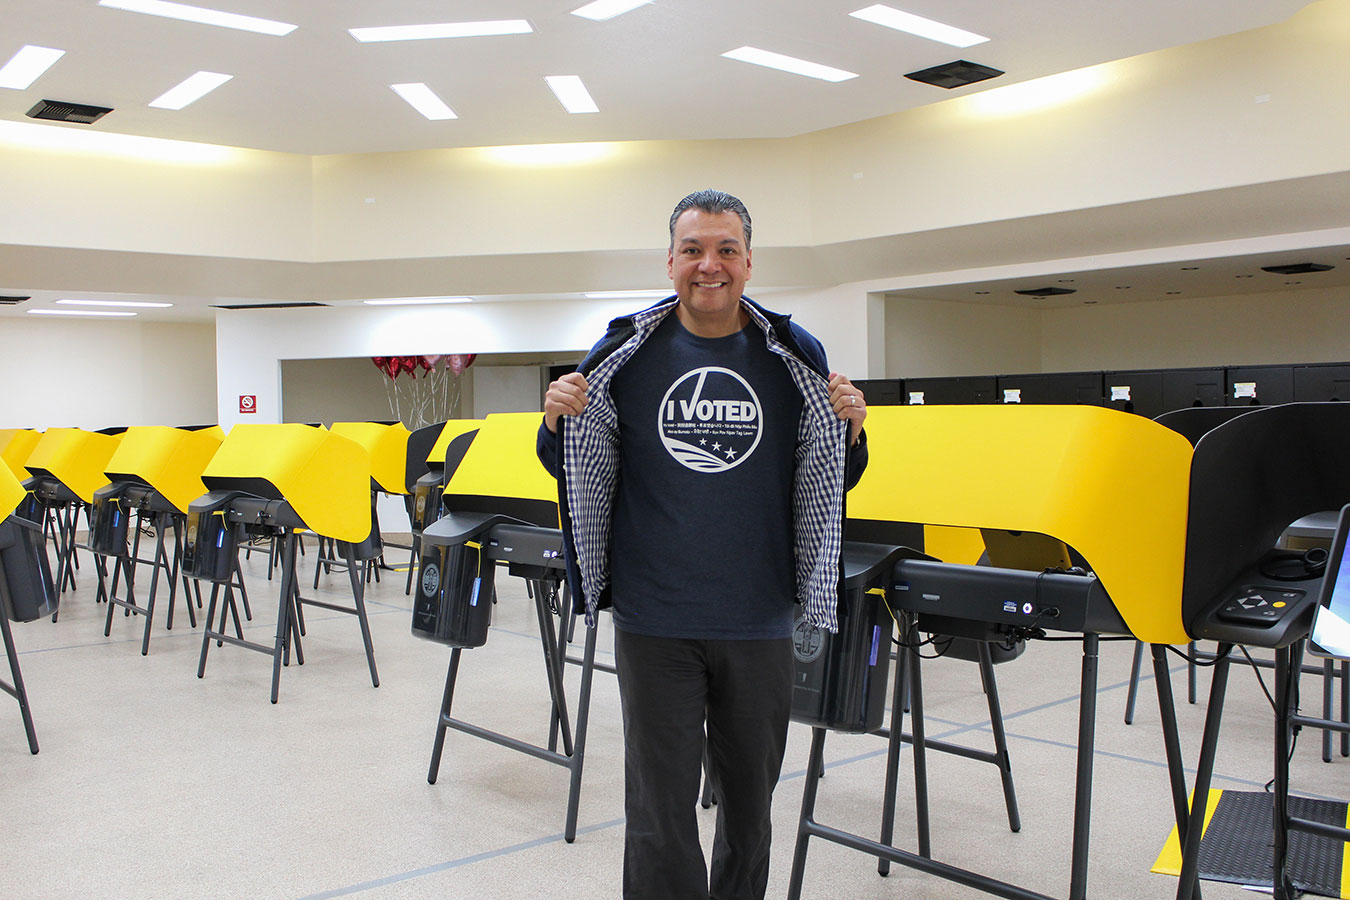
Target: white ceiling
<point>655,72</point>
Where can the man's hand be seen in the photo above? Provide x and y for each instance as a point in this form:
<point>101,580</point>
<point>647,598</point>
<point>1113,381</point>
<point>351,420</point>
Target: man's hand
<point>565,397</point>
<point>848,404</point>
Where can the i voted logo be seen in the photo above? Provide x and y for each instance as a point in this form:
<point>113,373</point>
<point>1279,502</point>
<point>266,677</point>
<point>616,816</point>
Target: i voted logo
<point>710,420</point>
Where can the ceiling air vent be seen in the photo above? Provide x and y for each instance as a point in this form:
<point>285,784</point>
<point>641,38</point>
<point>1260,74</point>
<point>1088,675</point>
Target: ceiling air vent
<point>13,301</point>
<point>266,305</point>
<point>1297,268</point>
<point>59,111</point>
<point>954,74</point>
<point>1045,292</point>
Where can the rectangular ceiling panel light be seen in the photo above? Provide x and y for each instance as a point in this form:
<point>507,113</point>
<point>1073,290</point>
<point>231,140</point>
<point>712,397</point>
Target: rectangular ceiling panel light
<point>416,301</point>
<point>78,312</point>
<point>571,93</point>
<point>424,100</point>
<point>190,90</point>
<point>201,15</point>
<point>601,10</point>
<point>919,26</point>
<point>788,64</point>
<point>127,303</point>
<point>26,66</point>
<point>442,30</point>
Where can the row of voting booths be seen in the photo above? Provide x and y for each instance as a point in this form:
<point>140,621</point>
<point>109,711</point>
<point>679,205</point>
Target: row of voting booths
<point>171,509</point>
<point>1145,392</point>
<point>1094,526</point>
<point>1090,525</point>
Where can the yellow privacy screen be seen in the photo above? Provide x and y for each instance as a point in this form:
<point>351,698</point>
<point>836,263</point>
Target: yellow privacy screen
<point>1110,484</point>
<point>453,429</point>
<point>388,449</point>
<point>170,460</point>
<point>15,446</point>
<point>11,493</point>
<point>75,458</point>
<point>501,461</point>
<point>324,476</point>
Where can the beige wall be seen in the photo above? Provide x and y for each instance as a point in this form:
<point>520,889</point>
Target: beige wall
<point>1297,327</point>
<point>95,375</point>
<point>931,338</point>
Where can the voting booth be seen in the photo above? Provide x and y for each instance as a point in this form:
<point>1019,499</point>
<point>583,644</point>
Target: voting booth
<point>434,453</point>
<point>1112,487</point>
<point>154,474</point>
<point>274,481</point>
<point>1251,477</point>
<point>66,467</point>
<point>387,444</point>
<point>501,509</point>
<point>26,589</point>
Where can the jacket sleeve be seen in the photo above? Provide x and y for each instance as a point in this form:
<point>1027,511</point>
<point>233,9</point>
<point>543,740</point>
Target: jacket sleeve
<point>856,462</point>
<point>546,448</point>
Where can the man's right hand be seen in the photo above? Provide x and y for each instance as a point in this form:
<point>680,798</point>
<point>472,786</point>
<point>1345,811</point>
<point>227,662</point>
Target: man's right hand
<point>565,397</point>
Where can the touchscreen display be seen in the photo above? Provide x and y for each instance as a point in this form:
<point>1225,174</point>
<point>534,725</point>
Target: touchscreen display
<point>1331,625</point>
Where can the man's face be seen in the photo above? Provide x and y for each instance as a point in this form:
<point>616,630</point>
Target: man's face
<point>709,262</point>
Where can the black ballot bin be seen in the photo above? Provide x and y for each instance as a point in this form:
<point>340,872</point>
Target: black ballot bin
<point>108,520</point>
<point>27,591</point>
<point>839,680</point>
<point>427,499</point>
<point>210,549</point>
<point>453,605</point>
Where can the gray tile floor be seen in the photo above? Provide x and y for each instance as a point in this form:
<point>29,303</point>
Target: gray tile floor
<point>152,783</point>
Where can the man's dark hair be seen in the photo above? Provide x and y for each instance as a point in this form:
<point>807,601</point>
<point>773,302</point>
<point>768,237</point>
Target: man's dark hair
<point>714,203</point>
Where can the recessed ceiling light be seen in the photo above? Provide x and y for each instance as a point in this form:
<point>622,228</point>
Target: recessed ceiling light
<point>1122,287</point>
<point>26,66</point>
<point>191,89</point>
<point>571,93</point>
<point>1065,280</point>
<point>424,100</point>
<point>77,312</point>
<point>624,295</point>
<point>1173,292</point>
<point>791,64</point>
<point>981,293</point>
<point>440,30</point>
<point>416,301</point>
<point>126,303</point>
<point>201,15</point>
<point>601,10</point>
<point>1189,268</point>
<point>919,26</point>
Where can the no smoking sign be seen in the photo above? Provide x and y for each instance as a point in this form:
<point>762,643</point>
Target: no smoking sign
<point>248,403</point>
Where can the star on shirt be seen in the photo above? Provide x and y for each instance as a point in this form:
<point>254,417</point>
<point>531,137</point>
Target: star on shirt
<point>731,454</point>
<point>703,442</point>
<point>717,446</point>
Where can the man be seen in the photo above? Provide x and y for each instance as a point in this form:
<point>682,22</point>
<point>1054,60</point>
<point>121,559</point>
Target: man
<point>702,451</point>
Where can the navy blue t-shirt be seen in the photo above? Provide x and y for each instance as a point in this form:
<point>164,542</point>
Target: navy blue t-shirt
<point>701,544</point>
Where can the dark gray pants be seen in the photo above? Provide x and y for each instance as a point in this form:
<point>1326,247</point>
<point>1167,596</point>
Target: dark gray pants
<point>671,690</point>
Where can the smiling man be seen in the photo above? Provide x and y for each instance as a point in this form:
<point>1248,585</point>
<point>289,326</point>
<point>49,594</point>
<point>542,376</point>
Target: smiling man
<point>702,451</point>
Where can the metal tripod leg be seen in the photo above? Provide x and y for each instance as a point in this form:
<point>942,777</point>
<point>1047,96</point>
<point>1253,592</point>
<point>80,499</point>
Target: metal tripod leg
<point>17,690</point>
<point>1087,738</point>
<point>359,594</point>
<point>813,767</point>
<point>446,699</point>
<point>1176,766</point>
<point>894,744</point>
<point>1000,737</point>
<point>284,624</point>
<point>1133,693</point>
<point>1190,850</point>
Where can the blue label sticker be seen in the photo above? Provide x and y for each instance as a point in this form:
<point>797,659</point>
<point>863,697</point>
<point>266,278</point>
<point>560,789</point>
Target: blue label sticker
<point>876,640</point>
